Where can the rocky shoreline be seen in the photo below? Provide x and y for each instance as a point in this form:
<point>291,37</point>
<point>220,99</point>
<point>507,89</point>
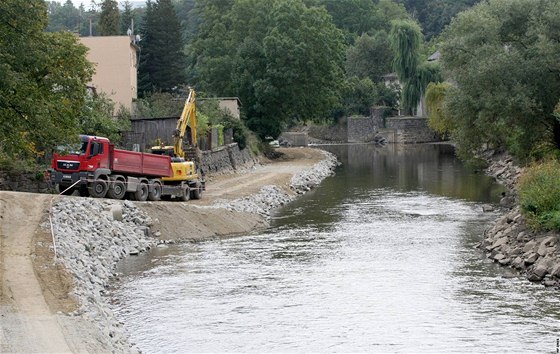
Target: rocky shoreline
<point>510,242</point>
<point>92,235</point>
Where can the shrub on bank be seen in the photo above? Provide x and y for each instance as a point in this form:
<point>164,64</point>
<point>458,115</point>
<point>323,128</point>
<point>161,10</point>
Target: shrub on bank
<point>539,195</point>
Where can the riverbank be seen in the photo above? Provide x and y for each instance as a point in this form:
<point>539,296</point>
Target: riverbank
<point>510,242</point>
<point>70,276</point>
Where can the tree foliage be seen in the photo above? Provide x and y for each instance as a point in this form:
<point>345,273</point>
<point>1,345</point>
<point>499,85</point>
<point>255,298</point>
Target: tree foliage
<point>370,57</point>
<point>63,17</point>
<point>282,58</point>
<point>435,15</point>
<point>438,118</point>
<point>503,57</point>
<point>109,18</point>
<point>96,118</point>
<point>161,60</point>
<point>414,75</point>
<point>42,80</point>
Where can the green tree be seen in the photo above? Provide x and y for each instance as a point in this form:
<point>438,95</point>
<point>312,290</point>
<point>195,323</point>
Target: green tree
<point>370,57</point>
<point>63,17</point>
<point>435,15</point>
<point>96,118</point>
<point>503,57</point>
<point>109,18</point>
<point>356,17</point>
<point>127,17</point>
<point>42,80</point>
<point>283,59</point>
<point>162,66</point>
<point>359,95</point>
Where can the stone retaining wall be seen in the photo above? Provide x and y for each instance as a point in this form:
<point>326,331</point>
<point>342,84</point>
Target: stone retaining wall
<point>32,182</point>
<point>411,130</point>
<point>228,158</point>
<point>362,129</point>
<point>333,134</point>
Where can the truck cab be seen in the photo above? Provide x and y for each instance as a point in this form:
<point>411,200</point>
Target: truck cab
<point>68,170</point>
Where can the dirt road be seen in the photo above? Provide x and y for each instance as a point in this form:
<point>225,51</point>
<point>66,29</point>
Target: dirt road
<point>186,222</point>
<point>24,307</point>
<point>35,291</point>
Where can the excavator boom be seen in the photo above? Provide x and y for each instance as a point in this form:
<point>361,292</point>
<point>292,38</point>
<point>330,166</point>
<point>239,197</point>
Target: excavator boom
<point>187,119</point>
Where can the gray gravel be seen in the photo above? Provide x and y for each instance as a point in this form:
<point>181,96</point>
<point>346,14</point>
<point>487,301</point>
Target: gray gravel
<point>272,197</point>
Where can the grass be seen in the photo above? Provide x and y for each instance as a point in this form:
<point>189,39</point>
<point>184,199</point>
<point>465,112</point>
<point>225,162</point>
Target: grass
<point>539,195</point>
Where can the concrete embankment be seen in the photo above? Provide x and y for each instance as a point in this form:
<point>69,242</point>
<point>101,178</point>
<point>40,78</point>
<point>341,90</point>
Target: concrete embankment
<point>511,242</point>
<point>92,235</point>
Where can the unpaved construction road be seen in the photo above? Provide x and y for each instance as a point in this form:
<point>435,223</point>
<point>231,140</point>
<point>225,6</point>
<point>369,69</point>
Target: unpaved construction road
<point>34,292</point>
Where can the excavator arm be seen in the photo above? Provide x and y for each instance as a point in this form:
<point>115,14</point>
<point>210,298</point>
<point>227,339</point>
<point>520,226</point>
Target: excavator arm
<point>187,119</point>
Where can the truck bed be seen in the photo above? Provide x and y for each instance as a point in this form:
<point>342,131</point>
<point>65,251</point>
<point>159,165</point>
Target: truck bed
<point>140,163</point>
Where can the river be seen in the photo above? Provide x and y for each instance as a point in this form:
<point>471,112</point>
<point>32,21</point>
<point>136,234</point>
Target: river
<point>380,258</point>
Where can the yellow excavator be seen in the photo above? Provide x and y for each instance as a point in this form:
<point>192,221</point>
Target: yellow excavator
<point>183,161</point>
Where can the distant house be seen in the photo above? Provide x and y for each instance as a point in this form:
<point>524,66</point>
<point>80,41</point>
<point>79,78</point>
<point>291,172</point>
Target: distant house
<point>116,64</point>
<point>231,105</point>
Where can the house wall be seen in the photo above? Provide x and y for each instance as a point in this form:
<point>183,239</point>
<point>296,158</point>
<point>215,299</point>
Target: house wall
<point>230,105</point>
<point>115,60</point>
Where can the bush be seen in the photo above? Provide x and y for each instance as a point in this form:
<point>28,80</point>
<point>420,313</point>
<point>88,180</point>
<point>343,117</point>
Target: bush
<point>539,195</point>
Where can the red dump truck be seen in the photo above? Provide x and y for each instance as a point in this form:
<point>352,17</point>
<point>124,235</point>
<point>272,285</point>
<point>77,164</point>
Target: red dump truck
<point>100,170</point>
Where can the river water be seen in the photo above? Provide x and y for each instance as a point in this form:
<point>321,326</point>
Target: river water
<point>379,258</point>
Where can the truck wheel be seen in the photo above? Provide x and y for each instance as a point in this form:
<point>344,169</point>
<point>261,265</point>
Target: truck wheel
<point>195,192</point>
<point>155,193</point>
<point>98,188</point>
<point>186,194</point>
<point>141,193</point>
<point>117,190</point>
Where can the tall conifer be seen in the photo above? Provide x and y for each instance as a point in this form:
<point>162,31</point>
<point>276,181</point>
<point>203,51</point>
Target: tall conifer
<point>109,18</point>
<point>162,64</point>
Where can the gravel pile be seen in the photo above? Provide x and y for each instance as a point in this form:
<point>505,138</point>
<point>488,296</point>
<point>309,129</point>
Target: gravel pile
<point>271,197</point>
<point>91,236</point>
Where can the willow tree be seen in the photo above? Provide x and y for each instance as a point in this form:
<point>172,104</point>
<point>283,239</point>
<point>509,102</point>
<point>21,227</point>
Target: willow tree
<point>406,41</point>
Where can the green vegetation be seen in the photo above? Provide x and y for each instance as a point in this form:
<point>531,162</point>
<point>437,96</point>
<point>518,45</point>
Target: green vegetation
<point>43,79</point>
<point>539,195</point>
<point>435,15</point>
<point>109,18</point>
<point>502,57</point>
<point>414,74</point>
<point>438,119</point>
<point>161,59</point>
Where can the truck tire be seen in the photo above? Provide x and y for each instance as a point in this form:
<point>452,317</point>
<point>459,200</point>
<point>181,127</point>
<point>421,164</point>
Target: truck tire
<point>117,190</point>
<point>98,188</point>
<point>141,193</point>
<point>186,194</point>
<point>195,192</point>
<point>155,192</point>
